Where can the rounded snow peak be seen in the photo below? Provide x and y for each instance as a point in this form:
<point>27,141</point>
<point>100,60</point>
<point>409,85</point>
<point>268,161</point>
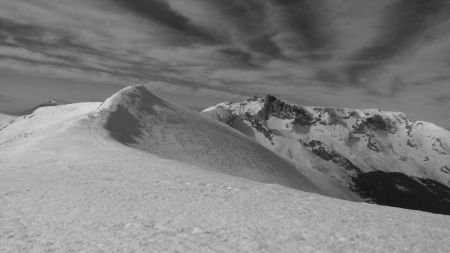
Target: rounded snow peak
<point>136,97</point>
<point>124,113</point>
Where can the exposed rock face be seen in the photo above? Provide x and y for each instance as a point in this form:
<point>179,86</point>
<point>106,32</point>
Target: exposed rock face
<point>321,150</point>
<point>352,146</point>
<point>375,123</point>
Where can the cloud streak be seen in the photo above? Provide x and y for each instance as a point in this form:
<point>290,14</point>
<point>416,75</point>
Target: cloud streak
<point>161,12</point>
<point>371,53</point>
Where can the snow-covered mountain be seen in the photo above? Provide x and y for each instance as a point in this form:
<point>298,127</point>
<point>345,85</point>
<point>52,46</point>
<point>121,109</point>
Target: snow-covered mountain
<point>139,119</point>
<point>93,177</point>
<point>385,157</point>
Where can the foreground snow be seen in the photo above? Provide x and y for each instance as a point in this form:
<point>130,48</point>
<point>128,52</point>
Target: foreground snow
<point>67,187</point>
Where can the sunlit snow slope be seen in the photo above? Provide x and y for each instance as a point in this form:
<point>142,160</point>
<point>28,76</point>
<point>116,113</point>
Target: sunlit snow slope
<point>383,156</point>
<point>139,119</point>
<point>67,185</point>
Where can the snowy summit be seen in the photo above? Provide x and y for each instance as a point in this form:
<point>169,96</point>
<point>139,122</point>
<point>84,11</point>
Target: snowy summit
<point>384,157</point>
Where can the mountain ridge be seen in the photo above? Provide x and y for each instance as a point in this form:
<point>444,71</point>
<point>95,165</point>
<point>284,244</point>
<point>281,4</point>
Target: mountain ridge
<point>371,155</point>
<point>353,146</point>
<point>139,119</point>
<point>66,180</point>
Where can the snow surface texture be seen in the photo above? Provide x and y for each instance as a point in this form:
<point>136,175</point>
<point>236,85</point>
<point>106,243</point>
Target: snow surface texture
<point>353,147</point>
<point>67,186</point>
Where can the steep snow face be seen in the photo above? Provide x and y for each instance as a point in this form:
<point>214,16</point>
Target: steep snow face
<point>346,144</point>
<point>139,119</point>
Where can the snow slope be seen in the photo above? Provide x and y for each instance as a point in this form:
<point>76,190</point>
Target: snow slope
<point>67,186</point>
<point>384,156</point>
<point>137,118</point>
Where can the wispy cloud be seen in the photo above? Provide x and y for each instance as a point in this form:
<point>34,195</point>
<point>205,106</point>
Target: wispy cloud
<point>359,53</point>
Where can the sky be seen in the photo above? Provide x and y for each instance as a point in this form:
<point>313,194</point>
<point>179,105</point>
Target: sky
<point>388,54</point>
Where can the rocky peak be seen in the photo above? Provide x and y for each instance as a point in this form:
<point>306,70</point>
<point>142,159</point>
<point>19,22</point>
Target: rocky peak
<point>358,121</point>
<point>277,107</point>
<point>377,154</point>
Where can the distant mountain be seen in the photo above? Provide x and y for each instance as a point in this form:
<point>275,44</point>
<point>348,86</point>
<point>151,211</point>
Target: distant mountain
<point>384,157</point>
<point>51,102</point>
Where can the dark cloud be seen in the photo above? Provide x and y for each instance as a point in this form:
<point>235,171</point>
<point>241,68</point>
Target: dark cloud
<point>313,49</point>
<point>442,100</point>
<point>60,65</point>
<point>239,8</point>
<point>34,38</point>
<point>251,21</point>
<point>265,45</point>
<point>8,27</point>
<point>248,20</point>
<point>329,77</point>
<point>21,34</point>
<point>40,52</point>
<point>161,12</point>
<point>305,18</point>
<point>245,15</point>
<point>36,52</point>
<point>404,22</point>
<point>5,98</point>
<point>238,55</point>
